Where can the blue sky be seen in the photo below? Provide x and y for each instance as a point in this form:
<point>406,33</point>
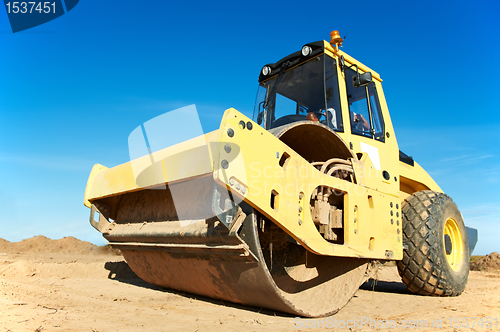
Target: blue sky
<point>73,89</point>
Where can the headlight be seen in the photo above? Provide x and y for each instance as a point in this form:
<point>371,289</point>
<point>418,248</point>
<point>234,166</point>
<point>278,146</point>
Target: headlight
<point>266,70</point>
<point>306,50</point>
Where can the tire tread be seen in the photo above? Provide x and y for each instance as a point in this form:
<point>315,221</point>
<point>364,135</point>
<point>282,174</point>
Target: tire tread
<point>421,268</point>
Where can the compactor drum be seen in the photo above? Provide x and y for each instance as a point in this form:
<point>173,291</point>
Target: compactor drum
<point>290,211</point>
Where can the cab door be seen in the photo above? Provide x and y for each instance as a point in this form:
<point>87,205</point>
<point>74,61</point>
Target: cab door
<point>369,130</point>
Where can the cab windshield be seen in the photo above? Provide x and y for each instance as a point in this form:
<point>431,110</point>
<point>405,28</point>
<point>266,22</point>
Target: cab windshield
<point>308,91</point>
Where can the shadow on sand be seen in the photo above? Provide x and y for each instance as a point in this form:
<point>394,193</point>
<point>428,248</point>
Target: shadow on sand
<point>395,287</point>
<point>121,272</point>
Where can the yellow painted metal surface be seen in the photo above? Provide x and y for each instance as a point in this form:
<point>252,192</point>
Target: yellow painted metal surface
<point>183,161</point>
<point>415,178</point>
<point>368,231</point>
<point>98,168</point>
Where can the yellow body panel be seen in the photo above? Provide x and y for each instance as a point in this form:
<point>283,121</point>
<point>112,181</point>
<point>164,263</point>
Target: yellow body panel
<point>257,169</point>
<point>415,178</point>
<point>254,171</point>
<point>97,169</point>
<point>183,161</point>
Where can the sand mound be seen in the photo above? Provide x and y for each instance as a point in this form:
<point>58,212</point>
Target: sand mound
<point>490,262</point>
<point>4,244</point>
<point>42,244</point>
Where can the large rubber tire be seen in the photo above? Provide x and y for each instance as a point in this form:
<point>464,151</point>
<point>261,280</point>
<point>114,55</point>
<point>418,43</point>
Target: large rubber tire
<point>436,260</point>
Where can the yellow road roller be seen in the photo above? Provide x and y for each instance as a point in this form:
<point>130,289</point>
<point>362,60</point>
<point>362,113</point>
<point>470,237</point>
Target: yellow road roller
<point>290,210</point>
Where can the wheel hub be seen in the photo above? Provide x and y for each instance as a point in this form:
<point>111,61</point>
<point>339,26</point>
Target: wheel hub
<point>453,244</point>
<point>448,246</point>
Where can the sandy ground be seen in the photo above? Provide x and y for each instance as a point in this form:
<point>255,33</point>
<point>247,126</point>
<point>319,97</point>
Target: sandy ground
<point>94,290</point>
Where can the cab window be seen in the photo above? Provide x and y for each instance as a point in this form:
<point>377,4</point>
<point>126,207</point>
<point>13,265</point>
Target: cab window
<point>310,87</point>
<point>364,109</point>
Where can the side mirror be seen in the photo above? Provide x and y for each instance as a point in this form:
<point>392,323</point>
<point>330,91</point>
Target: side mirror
<point>362,79</point>
<point>259,118</point>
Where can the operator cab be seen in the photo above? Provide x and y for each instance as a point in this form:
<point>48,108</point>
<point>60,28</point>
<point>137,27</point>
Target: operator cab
<point>305,86</point>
